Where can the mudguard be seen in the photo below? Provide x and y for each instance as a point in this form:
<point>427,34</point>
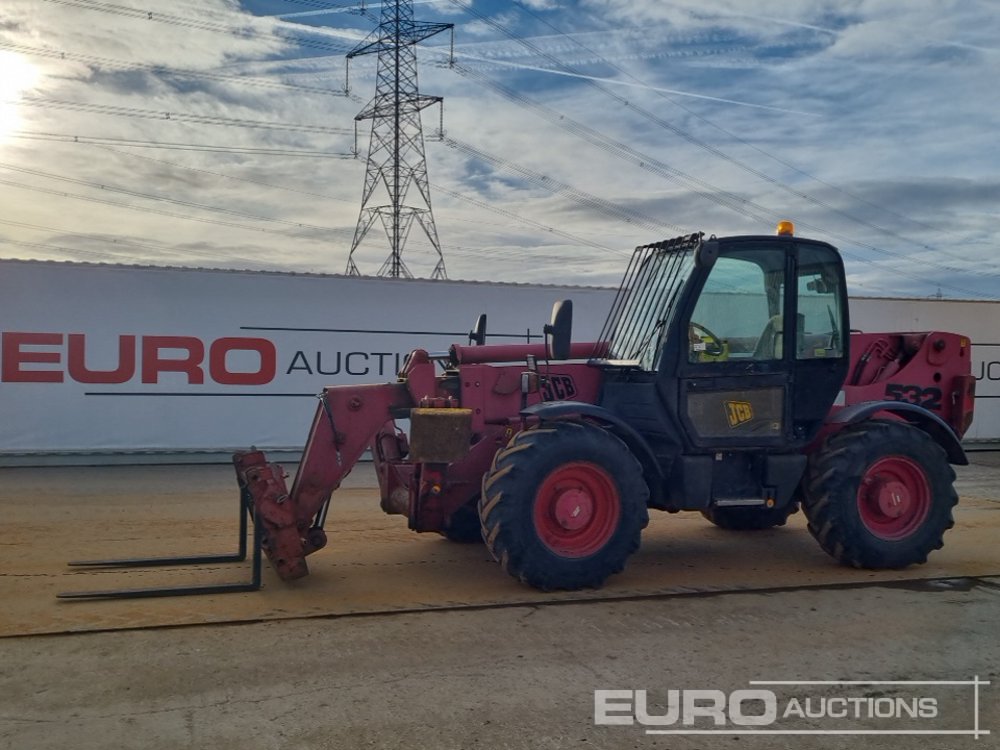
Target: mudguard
<point>555,411</point>
<point>918,416</point>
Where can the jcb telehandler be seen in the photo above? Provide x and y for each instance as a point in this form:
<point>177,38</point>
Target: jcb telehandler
<point>726,380</point>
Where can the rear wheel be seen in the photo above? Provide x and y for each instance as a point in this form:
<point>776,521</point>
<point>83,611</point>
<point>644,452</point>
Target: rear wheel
<point>563,506</point>
<point>750,518</point>
<point>880,495</point>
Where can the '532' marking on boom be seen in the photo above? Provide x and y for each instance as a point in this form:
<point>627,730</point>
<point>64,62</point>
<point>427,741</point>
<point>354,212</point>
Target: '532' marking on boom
<point>929,398</point>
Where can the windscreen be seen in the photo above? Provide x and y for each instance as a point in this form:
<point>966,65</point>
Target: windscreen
<point>647,299</point>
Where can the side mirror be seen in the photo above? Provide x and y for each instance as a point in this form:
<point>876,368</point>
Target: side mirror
<point>819,286</point>
<point>477,335</point>
<point>559,333</point>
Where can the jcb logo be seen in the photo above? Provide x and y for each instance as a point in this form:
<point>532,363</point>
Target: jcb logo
<point>738,412</point>
<point>558,388</point>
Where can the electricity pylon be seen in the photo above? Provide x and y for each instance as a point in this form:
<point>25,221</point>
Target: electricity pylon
<point>396,161</point>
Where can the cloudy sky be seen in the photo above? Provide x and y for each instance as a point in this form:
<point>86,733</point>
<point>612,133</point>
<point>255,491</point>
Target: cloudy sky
<point>218,133</point>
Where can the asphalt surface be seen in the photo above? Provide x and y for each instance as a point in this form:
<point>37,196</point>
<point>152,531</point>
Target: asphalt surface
<point>511,669</point>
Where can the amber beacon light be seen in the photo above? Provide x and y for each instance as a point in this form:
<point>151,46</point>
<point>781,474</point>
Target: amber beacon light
<point>786,229</point>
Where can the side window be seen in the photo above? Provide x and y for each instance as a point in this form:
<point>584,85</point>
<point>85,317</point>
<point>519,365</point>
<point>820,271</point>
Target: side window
<point>737,316</point>
<point>818,333</point>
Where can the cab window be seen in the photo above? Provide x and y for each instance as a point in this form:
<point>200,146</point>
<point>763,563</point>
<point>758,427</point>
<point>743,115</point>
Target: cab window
<point>818,333</point>
<point>738,315</point>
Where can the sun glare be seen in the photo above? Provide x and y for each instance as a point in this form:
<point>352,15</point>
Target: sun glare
<point>17,75</point>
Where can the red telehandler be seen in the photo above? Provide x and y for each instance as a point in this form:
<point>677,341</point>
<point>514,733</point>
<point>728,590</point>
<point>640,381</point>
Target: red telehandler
<point>726,380</point>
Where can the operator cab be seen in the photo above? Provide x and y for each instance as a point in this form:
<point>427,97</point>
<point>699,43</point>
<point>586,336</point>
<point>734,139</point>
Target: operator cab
<point>742,339</point>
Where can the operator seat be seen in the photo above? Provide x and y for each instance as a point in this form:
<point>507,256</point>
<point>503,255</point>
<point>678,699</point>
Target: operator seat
<point>769,345</point>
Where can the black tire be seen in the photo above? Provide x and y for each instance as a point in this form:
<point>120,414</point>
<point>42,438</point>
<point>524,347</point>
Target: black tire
<point>880,495</point>
<point>563,506</point>
<point>463,526</point>
<point>747,518</point>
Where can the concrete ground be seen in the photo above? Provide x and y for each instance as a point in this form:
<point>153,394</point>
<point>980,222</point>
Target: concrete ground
<point>507,670</point>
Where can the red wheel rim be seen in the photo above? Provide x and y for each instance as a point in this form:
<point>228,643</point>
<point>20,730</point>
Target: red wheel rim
<point>894,498</point>
<point>577,509</point>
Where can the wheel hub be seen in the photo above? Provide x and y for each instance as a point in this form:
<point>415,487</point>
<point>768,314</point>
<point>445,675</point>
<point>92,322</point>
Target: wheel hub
<point>573,509</point>
<point>893,497</point>
<point>577,509</point>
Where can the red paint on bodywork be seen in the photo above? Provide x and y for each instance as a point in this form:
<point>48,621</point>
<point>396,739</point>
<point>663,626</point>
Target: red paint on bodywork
<point>351,419</point>
<point>930,369</point>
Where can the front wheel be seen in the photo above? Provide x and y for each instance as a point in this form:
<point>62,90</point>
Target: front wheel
<point>563,506</point>
<point>880,495</point>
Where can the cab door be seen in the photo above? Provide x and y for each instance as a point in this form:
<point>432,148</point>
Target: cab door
<point>735,379</point>
<point>767,345</point>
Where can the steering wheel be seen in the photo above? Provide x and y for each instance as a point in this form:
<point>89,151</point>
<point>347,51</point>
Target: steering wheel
<point>713,347</point>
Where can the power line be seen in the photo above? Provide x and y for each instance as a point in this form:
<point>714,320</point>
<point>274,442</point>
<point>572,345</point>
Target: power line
<point>750,209</point>
<point>149,196</point>
<point>241,32</point>
<point>247,180</point>
<point>113,240</point>
<point>621,150</point>
<point>717,152</point>
<point>132,143</point>
<point>321,5</point>
<point>723,198</point>
<point>146,209</point>
<point>731,201</point>
<point>555,186</point>
<point>166,116</point>
<point>586,199</point>
<point>530,222</point>
<point>163,70</point>
<point>454,194</point>
<point>459,196</point>
<point>598,80</point>
<point>621,100</point>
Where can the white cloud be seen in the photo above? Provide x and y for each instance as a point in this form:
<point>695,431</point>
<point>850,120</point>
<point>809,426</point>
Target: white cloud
<point>541,4</point>
<point>901,139</point>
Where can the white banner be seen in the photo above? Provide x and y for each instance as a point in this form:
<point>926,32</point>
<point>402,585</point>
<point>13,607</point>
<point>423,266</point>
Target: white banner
<point>108,358</point>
